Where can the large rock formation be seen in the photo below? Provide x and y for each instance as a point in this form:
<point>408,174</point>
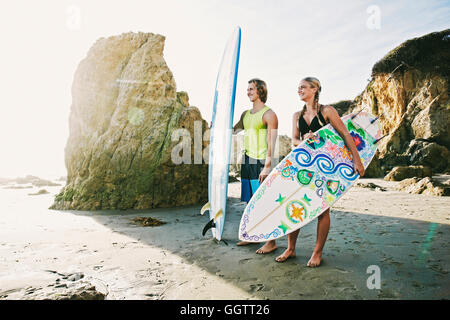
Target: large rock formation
<point>126,124</point>
<point>410,91</point>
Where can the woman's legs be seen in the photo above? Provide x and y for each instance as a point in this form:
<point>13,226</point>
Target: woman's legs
<point>323,226</point>
<point>290,251</point>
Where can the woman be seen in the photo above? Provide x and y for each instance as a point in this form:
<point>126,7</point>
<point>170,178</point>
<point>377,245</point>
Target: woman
<point>311,118</point>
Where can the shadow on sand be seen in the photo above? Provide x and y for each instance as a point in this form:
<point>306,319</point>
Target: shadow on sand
<point>412,256</point>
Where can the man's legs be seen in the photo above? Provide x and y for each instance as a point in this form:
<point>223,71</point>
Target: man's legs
<point>268,247</point>
<point>250,170</point>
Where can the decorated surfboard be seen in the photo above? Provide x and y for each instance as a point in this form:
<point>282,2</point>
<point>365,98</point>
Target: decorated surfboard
<point>221,136</point>
<point>309,180</point>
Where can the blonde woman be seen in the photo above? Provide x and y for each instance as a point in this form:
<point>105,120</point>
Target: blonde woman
<point>311,118</point>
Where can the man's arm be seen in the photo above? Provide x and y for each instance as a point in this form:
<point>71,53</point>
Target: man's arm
<point>296,139</point>
<point>271,120</point>
<point>238,127</point>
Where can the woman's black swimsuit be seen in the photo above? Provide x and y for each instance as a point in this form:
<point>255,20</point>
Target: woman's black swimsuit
<point>316,123</point>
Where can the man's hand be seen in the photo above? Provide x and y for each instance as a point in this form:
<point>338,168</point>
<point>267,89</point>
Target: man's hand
<point>264,173</point>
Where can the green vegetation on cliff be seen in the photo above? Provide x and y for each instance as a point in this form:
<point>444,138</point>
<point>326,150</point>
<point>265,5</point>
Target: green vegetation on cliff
<point>430,54</point>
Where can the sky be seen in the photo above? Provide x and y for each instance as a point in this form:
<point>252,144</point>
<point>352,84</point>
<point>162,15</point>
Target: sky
<point>283,41</point>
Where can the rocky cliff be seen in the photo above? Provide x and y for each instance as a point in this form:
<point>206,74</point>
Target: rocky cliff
<point>409,90</point>
<point>126,121</point>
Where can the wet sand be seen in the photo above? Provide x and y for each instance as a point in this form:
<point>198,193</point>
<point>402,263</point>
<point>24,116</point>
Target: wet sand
<point>44,254</point>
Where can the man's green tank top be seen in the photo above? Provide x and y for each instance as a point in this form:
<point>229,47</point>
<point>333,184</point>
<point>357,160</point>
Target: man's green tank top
<point>255,137</point>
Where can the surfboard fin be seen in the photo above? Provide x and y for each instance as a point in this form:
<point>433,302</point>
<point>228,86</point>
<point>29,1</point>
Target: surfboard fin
<point>212,223</point>
<point>372,121</point>
<point>376,141</point>
<point>208,226</point>
<point>219,241</point>
<point>356,114</point>
<point>205,208</point>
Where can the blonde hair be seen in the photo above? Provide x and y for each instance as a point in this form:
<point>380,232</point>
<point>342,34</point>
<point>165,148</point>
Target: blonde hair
<point>315,83</point>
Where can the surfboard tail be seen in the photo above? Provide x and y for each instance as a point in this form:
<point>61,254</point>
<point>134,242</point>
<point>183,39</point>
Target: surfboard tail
<point>369,124</point>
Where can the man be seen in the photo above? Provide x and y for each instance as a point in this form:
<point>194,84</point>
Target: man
<point>260,125</point>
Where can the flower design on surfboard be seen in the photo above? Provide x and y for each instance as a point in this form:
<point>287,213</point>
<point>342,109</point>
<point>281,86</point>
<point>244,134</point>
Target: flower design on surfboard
<point>296,211</point>
<point>359,141</point>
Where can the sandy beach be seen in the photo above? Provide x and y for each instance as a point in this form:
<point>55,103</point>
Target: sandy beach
<point>49,254</point>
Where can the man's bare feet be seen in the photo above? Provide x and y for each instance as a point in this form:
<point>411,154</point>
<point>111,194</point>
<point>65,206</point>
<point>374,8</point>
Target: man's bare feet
<point>243,243</point>
<point>268,247</point>
<point>315,260</point>
<point>288,253</point>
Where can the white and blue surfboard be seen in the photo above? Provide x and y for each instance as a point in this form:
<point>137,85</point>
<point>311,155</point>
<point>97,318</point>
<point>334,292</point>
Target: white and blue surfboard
<point>221,135</point>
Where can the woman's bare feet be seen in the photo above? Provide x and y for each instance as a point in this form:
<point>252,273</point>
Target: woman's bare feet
<point>243,243</point>
<point>288,253</point>
<point>315,260</point>
<point>268,247</point>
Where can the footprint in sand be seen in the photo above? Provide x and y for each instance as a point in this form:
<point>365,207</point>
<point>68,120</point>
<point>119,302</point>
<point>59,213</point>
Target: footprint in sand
<point>244,261</point>
<point>341,270</point>
<point>256,287</point>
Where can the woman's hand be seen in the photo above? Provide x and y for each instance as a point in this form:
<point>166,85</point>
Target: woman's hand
<point>309,135</point>
<point>358,167</point>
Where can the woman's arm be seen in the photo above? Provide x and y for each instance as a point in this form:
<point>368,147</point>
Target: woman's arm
<point>332,117</point>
